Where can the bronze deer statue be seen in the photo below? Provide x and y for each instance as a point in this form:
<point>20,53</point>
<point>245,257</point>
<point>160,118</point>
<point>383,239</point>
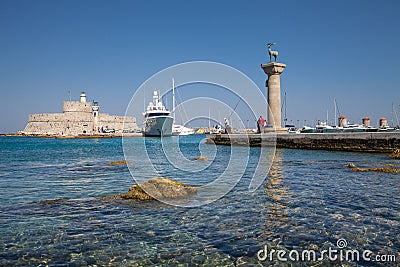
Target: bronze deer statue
<point>272,53</point>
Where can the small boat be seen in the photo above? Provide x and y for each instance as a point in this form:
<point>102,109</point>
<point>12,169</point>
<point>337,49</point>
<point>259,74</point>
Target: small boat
<point>182,130</point>
<point>322,127</point>
<point>354,128</point>
<point>293,130</point>
<point>202,131</point>
<point>387,129</point>
<point>217,130</point>
<point>371,129</point>
<point>307,129</point>
<point>157,119</point>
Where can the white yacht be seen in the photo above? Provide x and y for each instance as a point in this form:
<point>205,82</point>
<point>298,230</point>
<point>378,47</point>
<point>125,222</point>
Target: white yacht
<point>182,130</point>
<point>323,127</point>
<point>157,119</point>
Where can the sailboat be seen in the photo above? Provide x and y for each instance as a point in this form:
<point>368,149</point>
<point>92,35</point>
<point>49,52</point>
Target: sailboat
<point>178,129</point>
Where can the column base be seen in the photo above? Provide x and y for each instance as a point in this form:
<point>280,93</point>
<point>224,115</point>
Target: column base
<point>275,130</point>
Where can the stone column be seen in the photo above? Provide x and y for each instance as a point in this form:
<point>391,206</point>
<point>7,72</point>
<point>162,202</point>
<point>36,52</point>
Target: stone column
<point>274,70</point>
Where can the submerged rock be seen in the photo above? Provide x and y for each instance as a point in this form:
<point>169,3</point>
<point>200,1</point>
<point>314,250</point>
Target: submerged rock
<point>351,166</point>
<point>395,154</point>
<point>51,201</point>
<point>201,158</point>
<point>387,170</point>
<point>118,162</point>
<point>157,188</point>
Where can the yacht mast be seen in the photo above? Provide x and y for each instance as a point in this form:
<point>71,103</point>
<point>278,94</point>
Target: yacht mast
<point>327,117</point>
<point>338,111</point>
<point>173,98</point>
<point>335,116</point>
<point>395,115</point>
<point>209,118</point>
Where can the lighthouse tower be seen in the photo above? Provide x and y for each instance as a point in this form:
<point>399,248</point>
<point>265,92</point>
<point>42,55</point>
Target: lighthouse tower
<point>83,97</point>
<point>95,114</point>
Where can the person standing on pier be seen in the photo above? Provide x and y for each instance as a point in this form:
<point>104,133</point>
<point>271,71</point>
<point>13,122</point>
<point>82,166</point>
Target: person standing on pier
<point>228,129</point>
<point>260,124</point>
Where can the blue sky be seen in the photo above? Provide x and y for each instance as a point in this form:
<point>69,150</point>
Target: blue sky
<point>343,49</point>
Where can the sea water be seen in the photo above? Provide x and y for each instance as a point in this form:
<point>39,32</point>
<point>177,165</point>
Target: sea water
<point>52,210</point>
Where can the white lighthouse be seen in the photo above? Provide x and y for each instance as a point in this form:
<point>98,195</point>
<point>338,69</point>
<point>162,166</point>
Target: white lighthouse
<point>83,97</point>
<point>95,113</point>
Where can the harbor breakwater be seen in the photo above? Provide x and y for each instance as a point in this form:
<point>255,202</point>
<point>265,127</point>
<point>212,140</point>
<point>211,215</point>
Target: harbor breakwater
<point>355,142</point>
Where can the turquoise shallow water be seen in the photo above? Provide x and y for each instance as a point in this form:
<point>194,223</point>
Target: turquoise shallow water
<point>308,201</point>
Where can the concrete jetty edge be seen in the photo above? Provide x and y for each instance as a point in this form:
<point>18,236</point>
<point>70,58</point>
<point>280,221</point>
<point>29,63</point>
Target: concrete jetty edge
<point>83,136</point>
<point>382,142</point>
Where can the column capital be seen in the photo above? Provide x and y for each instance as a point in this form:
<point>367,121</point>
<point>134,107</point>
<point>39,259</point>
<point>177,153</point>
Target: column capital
<point>273,68</point>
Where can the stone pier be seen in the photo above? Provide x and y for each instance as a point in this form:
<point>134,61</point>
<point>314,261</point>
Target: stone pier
<point>383,142</point>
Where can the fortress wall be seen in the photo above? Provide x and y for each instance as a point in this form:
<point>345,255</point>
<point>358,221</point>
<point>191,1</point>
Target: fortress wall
<point>74,128</point>
<point>44,123</point>
<point>77,117</point>
<point>60,123</point>
<point>45,117</point>
<point>58,128</point>
<point>42,127</point>
<point>73,106</point>
<point>117,122</point>
<point>69,116</point>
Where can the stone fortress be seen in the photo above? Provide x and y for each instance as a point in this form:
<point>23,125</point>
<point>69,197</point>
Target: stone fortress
<point>79,118</point>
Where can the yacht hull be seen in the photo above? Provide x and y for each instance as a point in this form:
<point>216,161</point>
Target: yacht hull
<point>158,126</point>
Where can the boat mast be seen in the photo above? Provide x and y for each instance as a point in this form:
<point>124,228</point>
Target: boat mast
<point>336,110</point>
<point>173,98</point>
<point>327,117</point>
<point>335,116</point>
<point>209,118</point>
<point>395,115</point>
